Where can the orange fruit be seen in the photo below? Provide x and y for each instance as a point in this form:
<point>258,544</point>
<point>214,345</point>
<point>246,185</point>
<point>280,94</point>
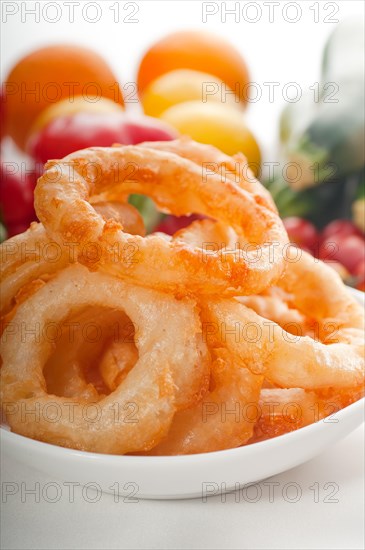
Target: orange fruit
<point>50,74</point>
<point>200,51</point>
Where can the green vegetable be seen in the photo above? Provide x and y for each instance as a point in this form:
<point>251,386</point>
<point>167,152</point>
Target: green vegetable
<point>331,144</point>
<point>148,211</point>
<point>295,117</point>
<point>319,204</point>
<point>343,56</point>
<point>358,207</point>
<point>3,234</point>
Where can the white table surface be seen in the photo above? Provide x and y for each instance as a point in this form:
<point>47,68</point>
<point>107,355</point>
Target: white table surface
<point>276,52</point>
<point>324,517</point>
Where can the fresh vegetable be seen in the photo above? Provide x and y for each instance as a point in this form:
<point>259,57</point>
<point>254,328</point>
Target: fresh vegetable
<point>359,271</point>
<point>65,134</point>
<point>170,224</point>
<point>361,284</point>
<point>302,232</point>
<point>358,207</point>
<point>146,207</point>
<point>348,250</point>
<point>294,118</point>
<point>359,274</point>
<point>341,245</point>
<point>16,200</point>
<point>340,228</point>
<point>343,55</point>
<point>319,204</point>
<point>332,144</point>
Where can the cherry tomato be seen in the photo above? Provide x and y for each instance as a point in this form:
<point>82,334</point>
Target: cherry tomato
<point>16,229</point>
<point>360,276</point>
<point>348,250</point>
<point>171,224</point>
<point>359,271</point>
<point>361,284</point>
<point>302,232</point>
<point>16,199</point>
<point>342,228</point>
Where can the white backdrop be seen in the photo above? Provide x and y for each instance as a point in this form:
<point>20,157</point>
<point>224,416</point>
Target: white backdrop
<point>281,42</point>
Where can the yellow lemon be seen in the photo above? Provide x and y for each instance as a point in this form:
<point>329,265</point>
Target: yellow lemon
<point>185,85</point>
<point>218,124</point>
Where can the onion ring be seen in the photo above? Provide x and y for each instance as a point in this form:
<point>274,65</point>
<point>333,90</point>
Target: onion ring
<point>118,359</point>
<point>27,257</point>
<point>235,168</point>
<point>286,410</point>
<point>335,359</point>
<point>74,368</point>
<point>219,332</point>
<point>177,186</point>
<point>167,358</point>
<point>33,254</point>
<point>221,420</point>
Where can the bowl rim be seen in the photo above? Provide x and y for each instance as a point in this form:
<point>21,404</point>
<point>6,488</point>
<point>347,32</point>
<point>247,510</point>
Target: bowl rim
<point>44,447</point>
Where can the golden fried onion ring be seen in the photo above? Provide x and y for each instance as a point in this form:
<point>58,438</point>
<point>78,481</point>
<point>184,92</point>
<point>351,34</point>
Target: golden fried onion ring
<point>25,258</point>
<point>34,254</point>
<point>169,373</point>
<point>178,186</point>
<point>335,359</point>
<point>234,168</point>
<point>285,410</point>
<point>221,420</point>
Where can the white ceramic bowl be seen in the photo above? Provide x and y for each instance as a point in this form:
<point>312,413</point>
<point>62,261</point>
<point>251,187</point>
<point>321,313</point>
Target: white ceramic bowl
<point>184,476</point>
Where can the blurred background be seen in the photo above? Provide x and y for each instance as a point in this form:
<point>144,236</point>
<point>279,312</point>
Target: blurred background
<point>282,82</point>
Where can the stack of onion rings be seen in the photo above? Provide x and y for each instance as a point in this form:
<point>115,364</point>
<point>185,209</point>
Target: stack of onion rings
<point>216,337</point>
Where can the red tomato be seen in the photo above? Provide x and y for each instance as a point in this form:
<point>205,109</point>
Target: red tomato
<point>361,284</point>
<point>16,229</point>
<point>65,134</point>
<point>349,251</point>
<point>16,198</point>
<point>360,276</point>
<point>302,232</point>
<point>342,228</point>
<point>171,224</point>
<point>359,271</point>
